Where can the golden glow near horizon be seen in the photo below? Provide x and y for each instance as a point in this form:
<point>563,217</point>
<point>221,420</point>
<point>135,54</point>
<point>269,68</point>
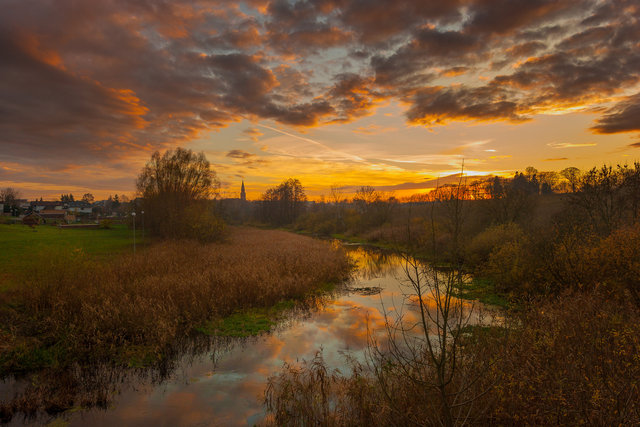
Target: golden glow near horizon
<point>271,91</point>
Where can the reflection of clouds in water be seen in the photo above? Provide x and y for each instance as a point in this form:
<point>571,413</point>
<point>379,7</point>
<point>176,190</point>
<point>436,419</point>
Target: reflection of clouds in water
<point>372,263</point>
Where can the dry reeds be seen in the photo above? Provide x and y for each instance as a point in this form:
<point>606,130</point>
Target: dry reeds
<point>72,309</point>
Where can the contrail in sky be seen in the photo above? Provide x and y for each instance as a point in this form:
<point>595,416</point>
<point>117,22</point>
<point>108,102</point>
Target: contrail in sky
<point>319,144</point>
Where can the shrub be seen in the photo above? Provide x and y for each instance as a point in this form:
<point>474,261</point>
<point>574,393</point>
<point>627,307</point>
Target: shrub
<point>483,244</point>
<point>574,361</point>
<point>201,224</point>
<point>106,224</point>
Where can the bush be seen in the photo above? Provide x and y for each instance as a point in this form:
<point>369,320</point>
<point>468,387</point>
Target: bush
<point>483,244</point>
<point>106,224</point>
<point>574,361</point>
<point>509,267</point>
<point>202,225</point>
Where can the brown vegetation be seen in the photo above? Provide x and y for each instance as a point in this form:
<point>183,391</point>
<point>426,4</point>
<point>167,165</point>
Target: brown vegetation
<point>571,360</point>
<point>130,310</point>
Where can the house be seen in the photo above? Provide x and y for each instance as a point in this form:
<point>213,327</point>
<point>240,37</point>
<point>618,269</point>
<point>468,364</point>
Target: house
<point>52,216</point>
<point>80,208</point>
<point>32,219</point>
<point>41,206</point>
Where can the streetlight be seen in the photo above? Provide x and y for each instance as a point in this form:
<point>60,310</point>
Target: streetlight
<point>143,241</point>
<point>133,214</point>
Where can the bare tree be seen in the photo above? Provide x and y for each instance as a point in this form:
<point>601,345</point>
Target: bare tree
<point>336,198</point>
<point>9,196</point>
<point>571,174</point>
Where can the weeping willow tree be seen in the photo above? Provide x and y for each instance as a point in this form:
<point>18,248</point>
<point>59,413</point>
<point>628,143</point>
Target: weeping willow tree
<point>177,188</point>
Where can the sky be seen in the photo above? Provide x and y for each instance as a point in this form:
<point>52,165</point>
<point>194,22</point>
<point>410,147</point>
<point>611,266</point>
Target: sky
<point>387,93</point>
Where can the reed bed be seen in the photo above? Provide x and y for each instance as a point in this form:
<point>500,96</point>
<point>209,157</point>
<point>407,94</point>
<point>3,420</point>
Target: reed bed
<point>73,309</point>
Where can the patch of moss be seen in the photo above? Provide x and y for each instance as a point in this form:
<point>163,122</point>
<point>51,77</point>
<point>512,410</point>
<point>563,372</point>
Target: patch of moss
<point>240,324</point>
<point>482,290</point>
<point>29,356</point>
<point>324,288</point>
<point>255,321</point>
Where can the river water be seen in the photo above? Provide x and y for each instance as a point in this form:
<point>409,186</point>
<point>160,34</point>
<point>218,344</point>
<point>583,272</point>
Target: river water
<point>225,386</point>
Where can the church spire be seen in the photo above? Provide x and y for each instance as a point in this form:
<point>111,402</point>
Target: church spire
<point>243,194</point>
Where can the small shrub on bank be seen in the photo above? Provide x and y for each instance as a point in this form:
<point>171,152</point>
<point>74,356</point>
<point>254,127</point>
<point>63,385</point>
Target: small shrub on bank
<point>106,224</point>
<point>482,245</point>
<point>202,225</point>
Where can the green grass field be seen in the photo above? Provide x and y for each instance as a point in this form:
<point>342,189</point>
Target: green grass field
<point>21,247</point>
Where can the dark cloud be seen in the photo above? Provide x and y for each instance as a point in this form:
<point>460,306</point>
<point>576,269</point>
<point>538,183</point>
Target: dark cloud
<point>353,96</point>
<point>239,154</point>
<point>377,20</point>
<point>295,27</point>
<point>623,117</point>
<point>46,108</point>
<point>245,159</point>
<point>410,65</point>
<point>437,105</point>
<point>504,16</point>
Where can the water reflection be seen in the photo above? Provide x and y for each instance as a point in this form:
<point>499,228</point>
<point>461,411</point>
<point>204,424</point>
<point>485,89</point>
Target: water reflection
<point>205,381</point>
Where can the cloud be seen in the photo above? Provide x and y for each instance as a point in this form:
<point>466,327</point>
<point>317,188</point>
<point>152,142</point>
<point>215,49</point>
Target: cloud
<point>571,144</point>
<point>253,133</point>
<point>505,16</point>
<point>239,154</point>
<point>374,129</point>
<point>245,159</point>
<point>623,117</point>
<point>353,97</point>
<point>556,159</point>
<point>439,105</point>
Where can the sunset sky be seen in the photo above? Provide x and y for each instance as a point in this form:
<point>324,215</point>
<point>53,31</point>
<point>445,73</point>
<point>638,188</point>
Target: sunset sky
<point>351,92</point>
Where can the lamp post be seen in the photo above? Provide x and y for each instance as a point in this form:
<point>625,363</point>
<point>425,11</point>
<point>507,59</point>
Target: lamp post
<point>143,241</point>
<point>133,214</point>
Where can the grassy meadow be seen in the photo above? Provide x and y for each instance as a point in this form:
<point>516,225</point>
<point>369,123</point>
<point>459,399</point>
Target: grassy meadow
<point>23,247</point>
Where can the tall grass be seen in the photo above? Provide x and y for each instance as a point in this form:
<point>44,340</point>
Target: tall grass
<point>73,309</point>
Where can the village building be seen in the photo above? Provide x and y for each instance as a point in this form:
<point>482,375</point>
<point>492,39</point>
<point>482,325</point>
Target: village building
<point>56,216</point>
<point>32,219</point>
